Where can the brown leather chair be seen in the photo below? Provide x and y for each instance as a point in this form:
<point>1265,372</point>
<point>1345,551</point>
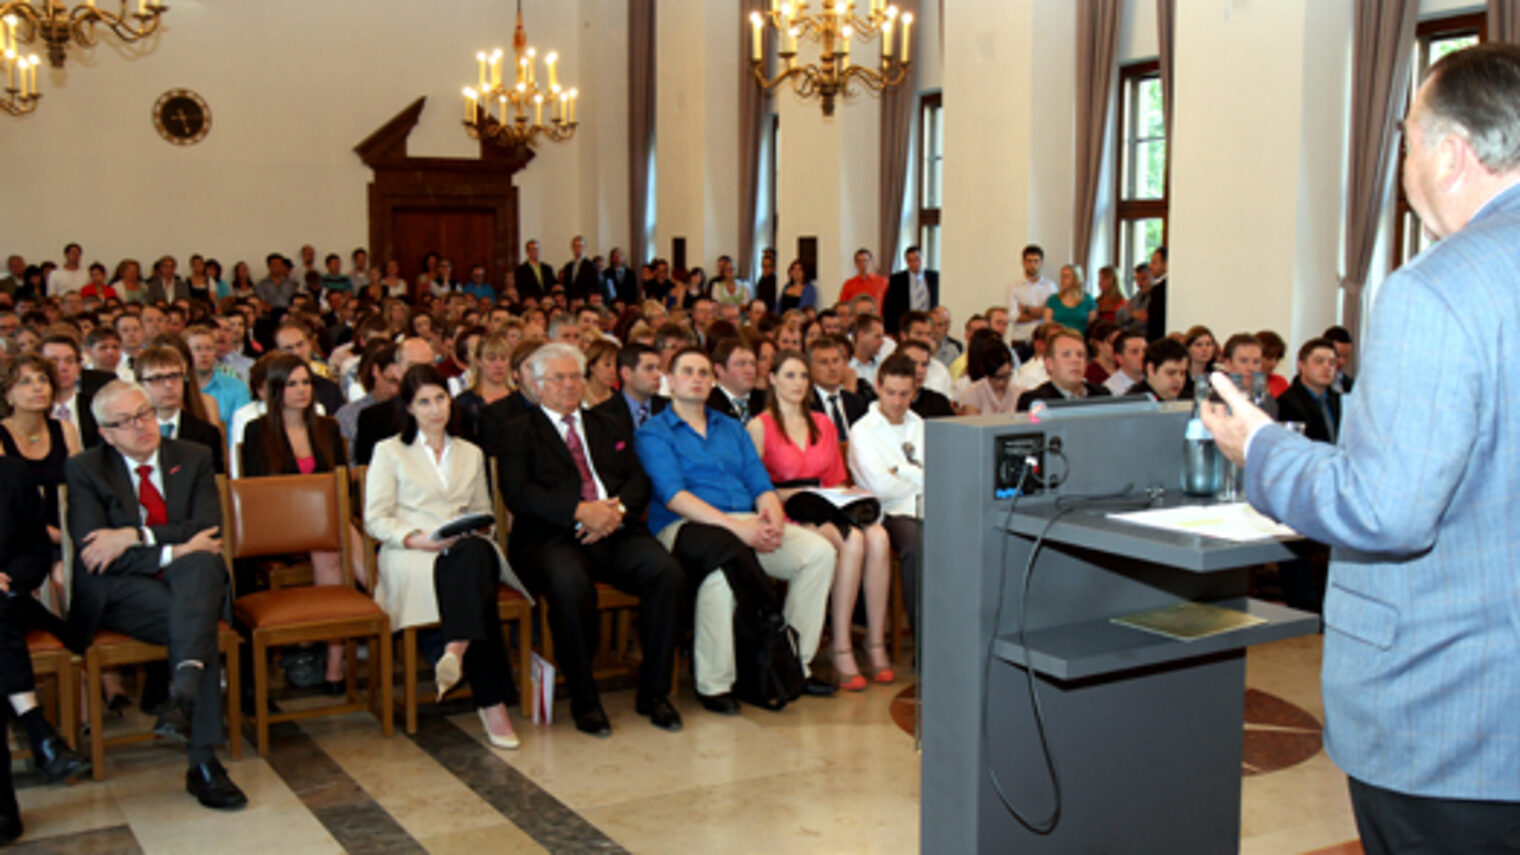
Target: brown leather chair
<point>57,672</point>
<point>108,650</point>
<point>293,514</point>
<point>512,606</point>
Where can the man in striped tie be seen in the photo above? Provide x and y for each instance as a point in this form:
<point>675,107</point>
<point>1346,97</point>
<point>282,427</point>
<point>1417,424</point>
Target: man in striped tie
<point>913,288</point>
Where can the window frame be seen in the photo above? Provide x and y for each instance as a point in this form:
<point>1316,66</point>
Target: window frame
<point>928,217</point>
<point>1128,211</point>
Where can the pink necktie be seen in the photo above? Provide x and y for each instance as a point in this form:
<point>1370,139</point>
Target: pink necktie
<point>578,453</point>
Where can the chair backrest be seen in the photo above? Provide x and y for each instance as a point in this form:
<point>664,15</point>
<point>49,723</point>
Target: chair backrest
<point>368,544</point>
<point>287,513</point>
<point>499,506</point>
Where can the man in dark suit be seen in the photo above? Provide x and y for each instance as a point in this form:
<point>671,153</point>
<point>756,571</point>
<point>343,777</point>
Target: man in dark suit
<point>1341,338</point>
<point>381,421</point>
<point>579,273</point>
<point>638,399</point>
<point>144,514</point>
<point>533,278</point>
<point>1155,320</point>
<point>928,403</point>
<point>161,372</point>
<point>826,360</point>
<point>913,288</point>
<point>735,394</point>
<point>1066,363</point>
<point>25,556</point>
<point>765,283</point>
<point>294,336</point>
<point>1311,400</point>
<point>621,282</point>
<point>578,492</point>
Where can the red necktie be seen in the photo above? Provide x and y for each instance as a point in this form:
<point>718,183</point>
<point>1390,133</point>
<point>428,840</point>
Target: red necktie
<point>149,497</point>
<point>578,452</point>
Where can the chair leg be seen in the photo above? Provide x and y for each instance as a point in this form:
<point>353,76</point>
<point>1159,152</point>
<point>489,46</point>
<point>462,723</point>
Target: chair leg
<point>234,698</point>
<point>68,702</point>
<point>896,613</point>
<point>387,685</point>
<point>97,715</point>
<point>409,680</point>
<point>525,661</point>
<point>350,669</point>
<point>260,694</point>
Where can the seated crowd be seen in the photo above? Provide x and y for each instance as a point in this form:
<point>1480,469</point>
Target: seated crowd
<point>655,431</point>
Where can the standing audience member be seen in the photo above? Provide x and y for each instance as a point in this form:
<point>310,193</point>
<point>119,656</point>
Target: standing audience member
<point>1026,300</point>
<point>910,288</point>
<point>1071,307</point>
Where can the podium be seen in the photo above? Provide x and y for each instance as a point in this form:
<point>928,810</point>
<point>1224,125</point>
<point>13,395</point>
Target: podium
<point>1144,732</point>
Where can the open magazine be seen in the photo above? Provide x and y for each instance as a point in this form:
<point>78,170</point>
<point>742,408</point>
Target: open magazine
<point>844,507</point>
<point>463,524</point>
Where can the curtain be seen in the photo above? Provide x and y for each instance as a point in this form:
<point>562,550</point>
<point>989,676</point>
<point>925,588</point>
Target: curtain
<point>1097,63</point>
<point>1381,39</point>
<point>1504,21</point>
<point>898,106</point>
<point>754,104</point>
<point>1166,27</point>
<point>641,118</point>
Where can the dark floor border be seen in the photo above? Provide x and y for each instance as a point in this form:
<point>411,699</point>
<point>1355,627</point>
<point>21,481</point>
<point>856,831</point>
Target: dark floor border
<point>111,840</point>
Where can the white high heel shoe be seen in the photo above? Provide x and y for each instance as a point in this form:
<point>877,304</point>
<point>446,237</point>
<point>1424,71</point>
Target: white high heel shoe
<point>508,742</point>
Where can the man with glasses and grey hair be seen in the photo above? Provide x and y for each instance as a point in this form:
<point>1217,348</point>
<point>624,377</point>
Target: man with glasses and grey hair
<point>1419,494</point>
<point>145,518</point>
<point>578,494</point>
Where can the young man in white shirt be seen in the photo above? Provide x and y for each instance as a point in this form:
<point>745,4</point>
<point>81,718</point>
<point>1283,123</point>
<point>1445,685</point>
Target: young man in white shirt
<point>1026,299</point>
<point>71,276</point>
<point>887,460</point>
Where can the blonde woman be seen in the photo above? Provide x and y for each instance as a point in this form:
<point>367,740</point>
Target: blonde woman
<point>1071,306</point>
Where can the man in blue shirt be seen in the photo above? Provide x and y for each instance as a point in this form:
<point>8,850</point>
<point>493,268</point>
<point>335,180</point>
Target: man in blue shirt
<point>711,495</point>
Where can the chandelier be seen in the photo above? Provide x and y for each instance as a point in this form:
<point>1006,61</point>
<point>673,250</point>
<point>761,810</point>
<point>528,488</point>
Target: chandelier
<point>21,94</point>
<point>835,25</point>
<point>511,128</point>
<point>58,26</point>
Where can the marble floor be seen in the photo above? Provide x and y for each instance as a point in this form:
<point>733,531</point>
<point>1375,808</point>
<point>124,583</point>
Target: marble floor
<point>823,776</point>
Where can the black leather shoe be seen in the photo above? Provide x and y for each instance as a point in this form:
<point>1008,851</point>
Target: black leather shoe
<point>819,688</point>
<point>174,722</point>
<point>10,823</point>
<point>58,762</point>
<point>118,705</point>
<point>334,687</point>
<point>209,783</point>
<point>593,721</point>
<point>661,714</point>
<point>724,704</point>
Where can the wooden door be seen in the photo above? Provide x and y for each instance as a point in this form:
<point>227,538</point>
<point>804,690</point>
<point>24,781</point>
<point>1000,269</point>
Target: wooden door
<point>464,236</point>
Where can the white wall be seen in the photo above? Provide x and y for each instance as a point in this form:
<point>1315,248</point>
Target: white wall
<point>293,86</point>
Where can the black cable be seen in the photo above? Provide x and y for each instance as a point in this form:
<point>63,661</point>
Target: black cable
<point>1064,505</point>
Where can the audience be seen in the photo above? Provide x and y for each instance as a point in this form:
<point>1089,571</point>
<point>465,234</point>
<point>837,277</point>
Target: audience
<point>1166,372</point>
<point>826,362</point>
<point>1128,348</point>
<point>989,368</point>
<point>887,460</point>
<point>1066,361</point>
<point>162,373</point>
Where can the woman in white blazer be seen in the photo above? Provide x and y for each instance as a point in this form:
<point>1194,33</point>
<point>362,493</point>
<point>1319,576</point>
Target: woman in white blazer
<point>418,481</point>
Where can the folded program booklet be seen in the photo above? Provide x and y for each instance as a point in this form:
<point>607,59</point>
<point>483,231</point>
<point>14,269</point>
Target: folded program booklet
<point>463,524</point>
<point>1187,621</point>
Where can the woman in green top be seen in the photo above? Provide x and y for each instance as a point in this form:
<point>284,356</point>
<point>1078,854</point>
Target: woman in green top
<point>1072,306</point>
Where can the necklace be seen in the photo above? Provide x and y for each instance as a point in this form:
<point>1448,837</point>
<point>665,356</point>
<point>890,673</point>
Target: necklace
<point>32,438</point>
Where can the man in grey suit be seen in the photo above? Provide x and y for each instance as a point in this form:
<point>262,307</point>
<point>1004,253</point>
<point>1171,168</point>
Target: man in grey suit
<point>1420,496</point>
<point>144,514</point>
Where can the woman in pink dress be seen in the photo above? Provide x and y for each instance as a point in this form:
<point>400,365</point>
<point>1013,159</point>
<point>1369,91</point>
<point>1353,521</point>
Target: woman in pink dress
<point>796,445</point>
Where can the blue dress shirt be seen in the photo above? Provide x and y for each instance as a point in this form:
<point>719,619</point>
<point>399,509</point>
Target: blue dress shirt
<point>722,469</point>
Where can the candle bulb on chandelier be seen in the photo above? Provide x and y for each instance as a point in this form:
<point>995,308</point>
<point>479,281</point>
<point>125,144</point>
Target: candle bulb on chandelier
<point>532,66</point>
<point>35,62</point>
<point>496,68</point>
<point>480,57</point>
<point>469,105</point>
<point>9,42</point>
<point>502,109</point>
<point>907,22</point>
<point>844,48</point>
<point>10,70</point>
<point>550,60</point>
<point>538,109</point>
<point>757,22</point>
<point>886,36</point>
<point>574,93</point>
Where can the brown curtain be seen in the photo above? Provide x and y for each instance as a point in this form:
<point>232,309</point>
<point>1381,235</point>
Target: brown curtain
<point>641,94</point>
<point>1381,39</point>
<point>1097,62</point>
<point>1504,20</point>
<point>1166,31</point>
<point>754,103</point>
<point>898,105</point>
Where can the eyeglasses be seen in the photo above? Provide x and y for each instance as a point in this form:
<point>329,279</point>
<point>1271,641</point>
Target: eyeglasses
<point>144,416</point>
<point>560,378</point>
<point>173,377</point>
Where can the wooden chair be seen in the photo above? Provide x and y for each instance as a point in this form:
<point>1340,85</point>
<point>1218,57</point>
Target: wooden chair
<point>57,672</point>
<point>512,606</point>
<point>287,514</point>
<point>110,649</point>
<point>280,572</point>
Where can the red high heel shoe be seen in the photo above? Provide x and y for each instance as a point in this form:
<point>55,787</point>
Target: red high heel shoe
<point>881,675</point>
<point>855,682</point>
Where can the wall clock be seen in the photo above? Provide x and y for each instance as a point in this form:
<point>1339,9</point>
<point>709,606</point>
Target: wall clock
<point>182,117</point>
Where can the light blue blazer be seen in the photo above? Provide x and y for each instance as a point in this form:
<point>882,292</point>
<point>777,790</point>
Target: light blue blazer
<point>1421,504</point>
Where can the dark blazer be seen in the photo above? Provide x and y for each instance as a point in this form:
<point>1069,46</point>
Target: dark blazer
<point>377,423</point>
<point>1297,404</point>
<point>90,382</point>
<point>584,283</point>
<point>540,482</point>
<point>899,296</point>
<point>623,285</point>
<point>527,286</point>
<point>616,408</point>
<point>932,405</point>
<point>718,400</point>
<point>328,393</point>
<point>765,289</point>
<point>204,433</point>
<point>257,464</point>
<point>26,553</point>
<point>101,497</point>
<point>1047,391</point>
<point>854,405</point>
<point>494,418</point>
<point>1155,322</point>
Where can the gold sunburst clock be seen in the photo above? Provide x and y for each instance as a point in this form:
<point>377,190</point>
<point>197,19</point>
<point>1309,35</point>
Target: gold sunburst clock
<point>182,117</point>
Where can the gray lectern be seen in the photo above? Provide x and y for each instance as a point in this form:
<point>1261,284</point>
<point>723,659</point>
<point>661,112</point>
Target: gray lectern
<point>1145,732</point>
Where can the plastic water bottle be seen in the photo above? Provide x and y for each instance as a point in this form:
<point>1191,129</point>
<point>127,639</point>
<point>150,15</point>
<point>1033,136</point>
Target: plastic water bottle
<point>1200,459</point>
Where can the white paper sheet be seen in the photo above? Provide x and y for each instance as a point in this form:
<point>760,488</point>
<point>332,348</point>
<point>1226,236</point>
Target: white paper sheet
<point>543,691</point>
<point>1236,521</point>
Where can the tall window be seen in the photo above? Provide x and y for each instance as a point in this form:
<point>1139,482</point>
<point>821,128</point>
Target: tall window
<point>1142,166</point>
<point>1433,40</point>
<point>930,178</point>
